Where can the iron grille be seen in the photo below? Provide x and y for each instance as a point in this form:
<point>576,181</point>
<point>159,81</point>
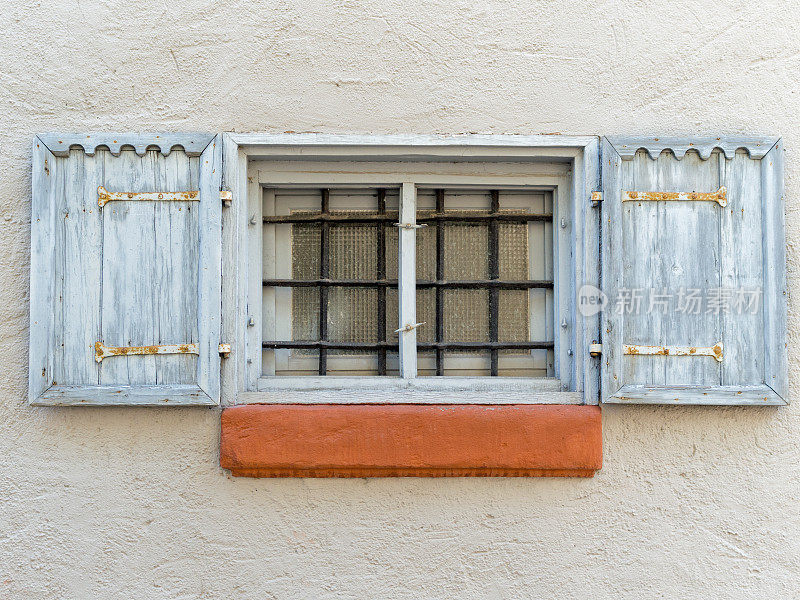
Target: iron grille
<point>493,284</point>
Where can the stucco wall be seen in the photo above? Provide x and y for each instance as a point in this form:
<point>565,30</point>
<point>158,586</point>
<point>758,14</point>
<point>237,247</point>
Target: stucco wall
<point>131,503</point>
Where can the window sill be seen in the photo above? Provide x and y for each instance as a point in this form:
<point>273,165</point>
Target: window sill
<point>422,390</point>
<point>406,440</point>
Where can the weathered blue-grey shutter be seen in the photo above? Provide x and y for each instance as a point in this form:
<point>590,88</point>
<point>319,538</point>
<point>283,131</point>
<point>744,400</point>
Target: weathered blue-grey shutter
<point>715,238</point>
<point>125,269</point>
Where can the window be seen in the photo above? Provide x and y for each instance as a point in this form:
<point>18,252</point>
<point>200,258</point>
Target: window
<point>450,268</point>
<point>379,269</point>
<point>483,270</point>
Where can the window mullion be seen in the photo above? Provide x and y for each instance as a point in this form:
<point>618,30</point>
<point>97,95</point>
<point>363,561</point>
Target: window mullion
<point>407,281</point>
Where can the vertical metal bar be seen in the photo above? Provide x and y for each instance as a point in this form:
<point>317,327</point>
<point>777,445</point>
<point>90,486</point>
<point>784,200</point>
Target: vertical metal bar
<point>382,288</point>
<point>439,277</point>
<point>407,282</point>
<point>494,273</point>
<point>324,273</point>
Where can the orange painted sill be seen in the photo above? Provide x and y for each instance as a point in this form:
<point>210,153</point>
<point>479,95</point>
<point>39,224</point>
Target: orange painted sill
<point>411,440</point>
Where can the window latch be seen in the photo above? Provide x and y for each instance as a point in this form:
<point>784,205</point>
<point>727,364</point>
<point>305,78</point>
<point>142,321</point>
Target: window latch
<point>410,225</point>
<point>595,349</point>
<point>597,198</point>
<point>408,327</point>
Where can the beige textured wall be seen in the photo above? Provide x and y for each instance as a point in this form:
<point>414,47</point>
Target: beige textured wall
<point>131,503</point>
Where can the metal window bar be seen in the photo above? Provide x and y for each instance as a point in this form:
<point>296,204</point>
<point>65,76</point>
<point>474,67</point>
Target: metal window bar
<point>381,288</point>
<point>324,272</point>
<point>439,277</point>
<point>383,217</point>
<point>494,275</point>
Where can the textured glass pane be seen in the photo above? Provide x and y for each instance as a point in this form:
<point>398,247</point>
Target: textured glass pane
<point>426,313</point>
<point>513,251</point>
<point>466,252</point>
<point>513,323</point>
<point>305,313</point>
<point>305,251</point>
<point>353,252</point>
<point>466,315</point>
<point>305,265</point>
<point>352,316</point>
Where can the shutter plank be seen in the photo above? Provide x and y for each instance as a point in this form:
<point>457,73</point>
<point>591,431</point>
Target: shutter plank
<point>81,266</point>
<point>612,270</point>
<point>741,237</point>
<point>776,368</point>
<point>640,237</point>
<point>176,260</point>
<point>688,243</point>
<point>129,270</point>
<point>210,274</point>
<point>42,297</point>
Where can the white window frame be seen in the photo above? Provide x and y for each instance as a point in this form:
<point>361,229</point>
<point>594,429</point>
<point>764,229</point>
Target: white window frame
<point>577,224</point>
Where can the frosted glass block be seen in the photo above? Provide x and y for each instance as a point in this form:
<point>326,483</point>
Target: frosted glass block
<point>353,252</point>
<point>305,314</point>
<point>426,313</point>
<point>513,247</point>
<point>466,315</point>
<point>513,324</point>
<point>305,251</point>
<point>352,316</point>
<point>466,252</point>
<point>305,265</point>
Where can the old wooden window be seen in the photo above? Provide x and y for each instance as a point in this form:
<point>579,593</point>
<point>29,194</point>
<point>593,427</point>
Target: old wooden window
<point>509,264</point>
<point>483,275</point>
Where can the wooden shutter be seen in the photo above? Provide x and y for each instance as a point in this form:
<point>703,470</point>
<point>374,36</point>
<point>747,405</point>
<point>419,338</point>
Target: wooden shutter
<point>125,297</point>
<point>728,243</point>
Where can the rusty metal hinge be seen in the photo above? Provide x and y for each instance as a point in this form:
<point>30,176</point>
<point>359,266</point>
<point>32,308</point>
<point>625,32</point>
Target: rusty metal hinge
<point>104,196</point>
<point>715,351</point>
<point>101,351</point>
<point>226,196</point>
<point>595,349</point>
<point>597,198</point>
<point>720,196</point>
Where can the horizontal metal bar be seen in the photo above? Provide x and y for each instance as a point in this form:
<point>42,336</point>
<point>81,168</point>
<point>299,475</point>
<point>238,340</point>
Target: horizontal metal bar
<point>720,196</point>
<point>329,345</point>
<point>312,344</point>
<point>332,218</point>
<point>421,283</point>
<point>104,196</point>
<point>479,217</point>
<point>101,351</point>
<point>715,351</point>
<point>475,217</point>
<point>486,345</point>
